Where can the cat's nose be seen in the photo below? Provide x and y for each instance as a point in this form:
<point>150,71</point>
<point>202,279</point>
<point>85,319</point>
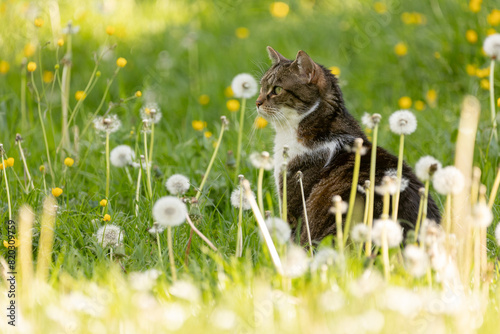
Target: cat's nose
<point>259,103</point>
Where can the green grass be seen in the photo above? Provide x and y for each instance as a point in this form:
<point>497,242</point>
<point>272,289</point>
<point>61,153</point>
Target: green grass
<point>153,39</point>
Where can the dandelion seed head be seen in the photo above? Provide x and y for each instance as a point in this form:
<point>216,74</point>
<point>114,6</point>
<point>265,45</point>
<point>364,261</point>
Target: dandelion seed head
<point>169,211</point>
<point>143,280</point>
<point>482,215</point>
<point>244,86</point>
<point>388,186</point>
<point>109,235</point>
<point>151,112</point>
<point>278,229</point>
<point>367,121</point>
<point>332,300</point>
<point>108,124</point>
<point>393,231</point>
<point>325,256</point>
<point>393,174</point>
<point>369,282</point>
<point>416,260</point>
<point>224,319</point>
<point>295,262</point>
<point>122,156</point>
<point>262,160</point>
<point>177,184</point>
<point>343,206</point>
<point>426,167</point>
<point>156,229</point>
<point>491,46</point>
<point>185,290</point>
<point>448,180</point>
<point>235,199</point>
<point>360,233</point>
<point>403,122</point>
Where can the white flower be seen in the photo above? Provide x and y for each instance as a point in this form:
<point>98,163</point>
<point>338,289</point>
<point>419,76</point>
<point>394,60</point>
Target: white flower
<point>325,256</point>
<point>122,156</point>
<point>244,85</point>
<point>169,211</point>
<point>497,234</point>
<point>185,290</point>
<point>388,186</point>
<point>157,228</point>
<point>417,261</point>
<point>370,120</point>
<point>393,174</point>
<point>278,229</point>
<point>491,46</point>
<point>403,122</point>
<point>482,215</point>
<point>235,199</point>
<point>426,167</point>
<point>360,233</point>
<point>393,231</point>
<point>145,280</point>
<point>177,184</point>
<point>448,180</point>
<point>108,124</point>
<point>151,112</point>
<point>431,233</point>
<point>262,160</point>
<point>296,262</point>
<point>109,235</point>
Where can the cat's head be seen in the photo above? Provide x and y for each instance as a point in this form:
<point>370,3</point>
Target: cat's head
<point>291,89</point>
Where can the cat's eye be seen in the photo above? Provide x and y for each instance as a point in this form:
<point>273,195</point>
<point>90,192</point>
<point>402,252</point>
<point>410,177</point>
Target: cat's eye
<point>277,90</point>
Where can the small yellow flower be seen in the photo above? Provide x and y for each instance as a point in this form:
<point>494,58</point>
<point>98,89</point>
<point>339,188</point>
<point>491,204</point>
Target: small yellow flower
<point>57,192</point>
<point>207,134</point>
<point>4,66</point>
<point>242,32</point>
<point>31,66</point>
<point>407,18</point>
<point>60,42</point>
<point>260,123</point>
<point>15,244</point>
<point>471,36</point>
<point>103,202</point>
<point>204,99</point>
<point>437,55</point>
<point>475,5</point>
<point>110,30</point>
<point>48,76</point>
<point>29,50</point>
<point>56,66</point>
<point>198,125</point>
<point>483,72</point>
<point>121,62</point>
<point>279,9</point>
<point>404,102</point>
<point>2,165</point>
<point>138,93</point>
<point>485,84</point>
<point>41,168</point>
<point>335,70</point>
<point>9,162</point>
<point>98,74</point>
<point>431,96</point>
<point>471,69</point>
<point>69,162</point>
<point>419,105</point>
<point>39,22</point>
<point>494,17</point>
<point>490,31</point>
<point>228,92</point>
<point>401,49</point>
<point>80,95</point>
<point>233,105</point>
<point>498,102</point>
<point>106,218</point>
<point>380,7</point>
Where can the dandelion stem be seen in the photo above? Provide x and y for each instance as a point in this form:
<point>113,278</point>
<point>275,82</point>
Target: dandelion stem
<point>354,187</point>
<point>108,171</point>
<point>338,227</point>
<point>25,247</point>
<point>240,135</point>
<point>385,208</point>
<point>137,192</point>
<point>65,87</point>
<point>447,219</point>
<point>152,141</point>
<point>477,257</point>
<point>492,99</point>
<point>420,213</point>
<point>6,185</point>
<point>284,206</point>
<point>148,167</point>
<point>239,238</point>
<point>260,199</point>
<point>27,171</point>
<point>24,119</point>
<point>494,190</point>
<point>373,161</point>
<point>426,200</point>
<point>201,235</point>
<point>385,254</point>
<point>46,238</point>
<point>399,177</point>
<point>171,253</point>
<point>159,248</point>
<point>306,219</point>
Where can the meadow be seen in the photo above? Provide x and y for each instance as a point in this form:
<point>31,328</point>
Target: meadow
<point>79,80</point>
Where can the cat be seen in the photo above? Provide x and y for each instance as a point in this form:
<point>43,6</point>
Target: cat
<point>303,101</point>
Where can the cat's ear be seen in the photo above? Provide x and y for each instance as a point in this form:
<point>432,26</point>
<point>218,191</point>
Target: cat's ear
<point>308,68</point>
<point>275,56</point>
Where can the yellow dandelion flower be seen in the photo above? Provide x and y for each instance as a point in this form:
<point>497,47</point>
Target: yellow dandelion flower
<point>475,5</point>
<point>242,32</point>
<point>498,102</point>
<point>4,66</point>
<point>204,99</point>
<point>471,69</point>
<point>31,66</point>
<point>279,9</point>
<point>106,218</point>
<point>490,31</point>
<point>233,105</point>
<point>48,76</point>
<point>57,192</point>
<point>16,243</point>
<point>260,123</point>
<point>437,55</point>
<point>407,18</point>
<point>431,96</point>
<point>401,49</point>
<point>404,102</point>
<point>41,168</point>
<point>419,105</point>
<point>103,202</point>
<point>121,62</point>
<point>380,7</point>
<point>419,18</point>
<point>2,165</point>
<point>60,42</point>
<point>80,95</point>
<point>9,162</point>
<point>98,74</point>
<point>138,93</point>
<point>335,70</point>
<point>29,50</point>
<point>228,92</point>
<point>493,18</point>
<point>207,134</point>
<point>69,162</point>
<point>471,36</point>
<point>483,72</point>
<point>39,22</point>
<point>110,30</point>
<point>198,125</point>
<point>485,84</point>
